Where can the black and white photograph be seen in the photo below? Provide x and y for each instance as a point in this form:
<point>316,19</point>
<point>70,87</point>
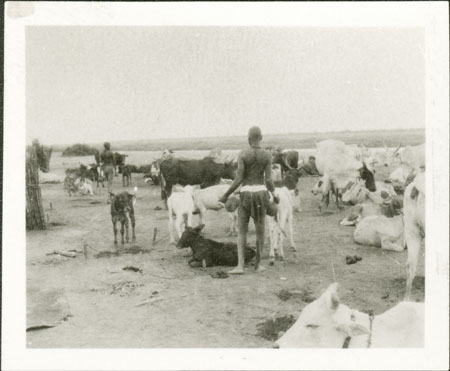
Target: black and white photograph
<point>225,186</point>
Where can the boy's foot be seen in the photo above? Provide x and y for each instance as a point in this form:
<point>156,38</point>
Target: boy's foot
<point>237,270</point>
<point>260,269</point>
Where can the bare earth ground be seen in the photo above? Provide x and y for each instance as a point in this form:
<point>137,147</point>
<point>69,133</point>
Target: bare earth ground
<point>193,309</point>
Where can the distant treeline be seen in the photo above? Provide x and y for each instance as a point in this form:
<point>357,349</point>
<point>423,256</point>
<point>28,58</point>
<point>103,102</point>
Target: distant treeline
<point>392,138</point>
<point>79,150</point>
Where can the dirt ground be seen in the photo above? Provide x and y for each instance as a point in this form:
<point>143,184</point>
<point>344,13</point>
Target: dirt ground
<point>185,306</point>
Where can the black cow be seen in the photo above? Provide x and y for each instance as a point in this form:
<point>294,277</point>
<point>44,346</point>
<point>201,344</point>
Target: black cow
<point>126,171</point>
<point>94,175</point>
<point>205,172</point>
<point>210,253</point>
<point>119,159</point>
<point>121,209</point>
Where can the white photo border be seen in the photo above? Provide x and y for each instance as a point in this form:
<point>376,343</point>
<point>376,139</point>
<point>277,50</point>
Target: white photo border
<point>432,16</point>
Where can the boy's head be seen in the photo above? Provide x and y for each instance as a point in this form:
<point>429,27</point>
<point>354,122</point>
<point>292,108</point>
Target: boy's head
<point>254,135</point>
<point>107,145</point>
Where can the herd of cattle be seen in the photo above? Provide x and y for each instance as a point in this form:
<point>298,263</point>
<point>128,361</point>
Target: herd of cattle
<point>389,214</point>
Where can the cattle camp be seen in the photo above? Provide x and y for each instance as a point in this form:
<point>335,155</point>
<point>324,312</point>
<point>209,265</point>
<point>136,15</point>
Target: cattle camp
<point>140,255</point>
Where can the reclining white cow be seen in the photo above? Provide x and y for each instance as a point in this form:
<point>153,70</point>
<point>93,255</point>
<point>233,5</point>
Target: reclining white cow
<point>326,323</point>
<point>390,208</point>
<point>414,218</point>
<point>277,227</point>
<point>380,231</point>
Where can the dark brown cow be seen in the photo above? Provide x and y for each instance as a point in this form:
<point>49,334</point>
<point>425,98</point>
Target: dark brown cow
<point>122,210</point>
<point>205,172</point>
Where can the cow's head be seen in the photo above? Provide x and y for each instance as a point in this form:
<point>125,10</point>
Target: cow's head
<point>189,236</point>
<point>368,177</point>
<point>122,203</point>
<point>323,186</point>
<point>324,323</point>
<point>229,169</point>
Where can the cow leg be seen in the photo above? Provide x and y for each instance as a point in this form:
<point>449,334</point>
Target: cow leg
<point>127,227</point>
<point>133,224</point>
<point>413,242</point>
<point>122,230</point>
<point>291,232</point>
<point>114,222</point>
<point>272,240</point>
<point>171,226</point>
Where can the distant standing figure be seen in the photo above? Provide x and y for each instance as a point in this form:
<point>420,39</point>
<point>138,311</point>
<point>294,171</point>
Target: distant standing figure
<point>107,164</point>
<point>255,174</point>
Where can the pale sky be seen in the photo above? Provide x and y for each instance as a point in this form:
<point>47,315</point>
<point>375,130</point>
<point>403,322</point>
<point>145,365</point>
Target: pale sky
<point>90,84</point>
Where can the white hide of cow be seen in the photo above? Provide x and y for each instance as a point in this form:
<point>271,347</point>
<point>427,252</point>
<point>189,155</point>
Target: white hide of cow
<point>180,204</point>
<point>360,211</point>
<point>412,161</point>
<point>380,231</point>
<point>358,193</point>
<point>335,157</point>
<point>208,199</point>
<point>276,173</point>
<point>414,217</point>
<point>277,227</point>
<point>326,323</point>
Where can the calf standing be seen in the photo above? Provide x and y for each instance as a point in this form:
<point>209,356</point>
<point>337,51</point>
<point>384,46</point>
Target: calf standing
<point>180,204</point>
<point>122,210</point>
<point>125,170</point>
<point>208,253</point>
<point>277,224</point>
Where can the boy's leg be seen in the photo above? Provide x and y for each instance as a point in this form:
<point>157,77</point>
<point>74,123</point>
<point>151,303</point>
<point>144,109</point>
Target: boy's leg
<point>260,231</point>
<point>243,219</point>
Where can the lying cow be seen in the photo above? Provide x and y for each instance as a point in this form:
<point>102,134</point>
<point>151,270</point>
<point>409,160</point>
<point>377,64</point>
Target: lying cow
<point>380,231</point>
<point>277,224</point>
<point>414,217</point>
<point>122,210</point>
<point>326,323</point>
<point>208,253</point>
<point>208,199</point>
<point>180,204</point>
<point>369,208</point>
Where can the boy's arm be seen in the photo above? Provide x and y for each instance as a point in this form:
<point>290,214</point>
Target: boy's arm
<point>237,182</point>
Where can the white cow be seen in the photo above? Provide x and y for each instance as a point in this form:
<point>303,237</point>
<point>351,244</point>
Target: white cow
<point>180,204</point>
<point>208,199</point>
<point>378,230</point>
<point>370,208</point>
<point>412,162</point>
<point>414,217</point>
<point>326,323</point>
<point>277,227</point>
<point>339,164</point>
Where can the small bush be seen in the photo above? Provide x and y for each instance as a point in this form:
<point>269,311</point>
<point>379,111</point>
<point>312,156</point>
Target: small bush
<point>79,150</point>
